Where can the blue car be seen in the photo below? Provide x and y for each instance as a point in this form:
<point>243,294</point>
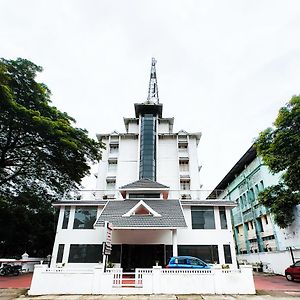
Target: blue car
<point>187,262</point>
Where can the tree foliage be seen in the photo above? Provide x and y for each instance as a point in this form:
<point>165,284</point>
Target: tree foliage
<point>42,154</point>
<point>280,149</point>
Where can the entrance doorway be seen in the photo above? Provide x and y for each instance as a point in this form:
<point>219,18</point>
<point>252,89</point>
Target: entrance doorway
<point>141,256</point>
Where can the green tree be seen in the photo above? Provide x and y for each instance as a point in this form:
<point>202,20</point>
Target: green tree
<point>42,155</point>
<point>280,149</point>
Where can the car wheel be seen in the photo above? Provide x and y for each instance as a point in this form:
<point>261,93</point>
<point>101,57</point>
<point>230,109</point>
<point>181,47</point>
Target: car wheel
<point>289,277</point>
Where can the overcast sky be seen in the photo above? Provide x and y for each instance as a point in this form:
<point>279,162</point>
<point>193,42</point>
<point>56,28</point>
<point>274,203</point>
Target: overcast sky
<point>224,67</point>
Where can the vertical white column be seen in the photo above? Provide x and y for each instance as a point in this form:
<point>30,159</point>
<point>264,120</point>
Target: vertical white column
<point>174,242</point>
<point>221,254</point>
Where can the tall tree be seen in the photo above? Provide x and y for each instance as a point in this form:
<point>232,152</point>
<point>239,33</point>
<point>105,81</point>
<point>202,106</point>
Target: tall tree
<point>42,154</point>
<point>280,149</point>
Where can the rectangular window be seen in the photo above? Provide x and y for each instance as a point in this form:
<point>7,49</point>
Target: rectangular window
<point>114,148</point>
<point>60,253</point>
<point>110,184</point>
<point>85,217</point>
<point>247,226</point>
<point>112,165</point>
<point>208,253</point>
<point>223,218</point>
<point>227,254</point>
<point>203,217</point>
<point>256,190</point>
<point>66,217</point>
<point>184,184</point>
<point>182,147</point>
<point>261,185</point>
<point>85,253</point>
<point>183,165</point>
<point>266,219</point>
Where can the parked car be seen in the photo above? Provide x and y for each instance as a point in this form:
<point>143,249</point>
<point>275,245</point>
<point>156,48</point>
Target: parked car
<point>293,271</point>
<point>187,262</point>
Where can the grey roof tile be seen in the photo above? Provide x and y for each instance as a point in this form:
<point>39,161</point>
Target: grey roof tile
<point>144,183</point>
<point>170,211</point>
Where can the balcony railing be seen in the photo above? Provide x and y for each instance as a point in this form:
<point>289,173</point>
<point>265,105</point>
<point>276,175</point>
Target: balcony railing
<point>109,194</point>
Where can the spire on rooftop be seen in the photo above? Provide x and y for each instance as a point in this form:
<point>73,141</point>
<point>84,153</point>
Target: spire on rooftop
<point>153,90</point>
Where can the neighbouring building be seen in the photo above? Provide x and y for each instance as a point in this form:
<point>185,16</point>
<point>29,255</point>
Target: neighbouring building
<point>148,188</point>
<point>257,237</point>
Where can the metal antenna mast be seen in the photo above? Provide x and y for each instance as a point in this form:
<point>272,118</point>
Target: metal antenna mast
<point>153,90</point>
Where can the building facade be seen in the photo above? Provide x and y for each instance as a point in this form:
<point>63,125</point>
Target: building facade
<point>257,237</point>
<point>148,188</point>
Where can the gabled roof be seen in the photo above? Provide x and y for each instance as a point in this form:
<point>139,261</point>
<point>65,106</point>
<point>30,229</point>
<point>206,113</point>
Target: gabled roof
<point>144,184</point>
<point>170,211</point>
<point>141,205</point>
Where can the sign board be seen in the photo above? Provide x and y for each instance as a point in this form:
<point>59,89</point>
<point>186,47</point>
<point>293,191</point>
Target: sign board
<point>106,250</point>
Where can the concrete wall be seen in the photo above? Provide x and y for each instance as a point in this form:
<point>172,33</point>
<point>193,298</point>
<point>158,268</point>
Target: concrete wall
<point>148,281</point>
<point>273,262</point>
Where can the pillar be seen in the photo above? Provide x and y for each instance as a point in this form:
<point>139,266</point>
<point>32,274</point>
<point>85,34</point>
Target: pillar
<point>174,242</point>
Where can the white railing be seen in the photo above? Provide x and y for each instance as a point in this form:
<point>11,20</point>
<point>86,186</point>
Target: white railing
<point>109,194</point>
<point>69,270</point>
<point>185,271</point>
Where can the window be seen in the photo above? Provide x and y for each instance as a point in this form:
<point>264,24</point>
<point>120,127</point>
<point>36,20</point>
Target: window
<point>85,217</point>
<point>112,165</point>
<point>223,218</point>
<point>148,195</point>
<point>184,184</point>
<point>203,217</point>
<point>256,190</point>
<point>114,148</point>
<point>247,225</point>
<point>60,253</point>
<point>266,219</point>
<point>227,254</point>
<point>183,165</point>
<point>85,253</point>
<point>182,147</point>
<point>66,217</point>
<point>110,184</point>
<point>208,253</point>
<point>261,185</point>
<point>148,147</point>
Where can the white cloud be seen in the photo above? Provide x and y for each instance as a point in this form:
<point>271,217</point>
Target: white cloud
<point>224,67</point>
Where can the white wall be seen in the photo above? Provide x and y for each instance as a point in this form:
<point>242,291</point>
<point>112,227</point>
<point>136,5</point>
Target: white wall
<point>273,262</point>
<point>127,161</point>
<point>167,162</point>
<point>131,236</point>
<point>151,281</point>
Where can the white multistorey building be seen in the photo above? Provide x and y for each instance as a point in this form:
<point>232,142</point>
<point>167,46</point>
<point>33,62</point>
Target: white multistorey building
<point>148,188</point>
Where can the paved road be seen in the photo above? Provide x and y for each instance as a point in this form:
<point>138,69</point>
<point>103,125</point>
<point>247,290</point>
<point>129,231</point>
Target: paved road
<point>268,287</point>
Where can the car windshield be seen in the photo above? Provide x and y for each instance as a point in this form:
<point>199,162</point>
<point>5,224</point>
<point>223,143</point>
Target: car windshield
<point>196,262</point>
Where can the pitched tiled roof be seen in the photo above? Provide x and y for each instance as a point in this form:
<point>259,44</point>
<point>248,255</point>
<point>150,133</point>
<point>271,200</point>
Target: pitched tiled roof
<point>170,211</point>
<point>144,184</point>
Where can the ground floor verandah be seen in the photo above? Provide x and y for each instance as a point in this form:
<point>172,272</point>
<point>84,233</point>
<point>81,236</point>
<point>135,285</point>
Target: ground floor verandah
<point>133,249</point>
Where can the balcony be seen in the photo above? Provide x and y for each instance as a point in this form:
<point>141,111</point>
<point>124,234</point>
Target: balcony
<point>112,193</point>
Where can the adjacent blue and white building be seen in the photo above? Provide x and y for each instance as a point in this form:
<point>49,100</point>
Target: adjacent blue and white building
<point>258,238</point>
